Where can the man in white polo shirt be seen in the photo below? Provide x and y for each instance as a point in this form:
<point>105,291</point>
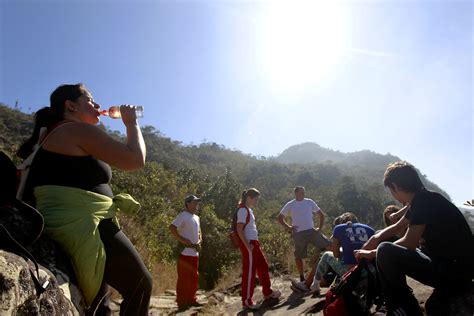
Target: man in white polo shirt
<point>186,229</point>
<point>301,211</point>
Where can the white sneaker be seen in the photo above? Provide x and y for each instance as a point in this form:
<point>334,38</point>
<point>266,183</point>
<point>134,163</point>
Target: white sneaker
<point>300,286</point>
<point>274,294</point>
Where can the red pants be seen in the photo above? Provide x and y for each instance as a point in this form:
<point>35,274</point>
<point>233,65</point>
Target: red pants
<point>252,262</point>
<point>188,278</point>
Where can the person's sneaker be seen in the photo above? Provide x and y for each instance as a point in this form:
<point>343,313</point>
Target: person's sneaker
<point>299,286</point>
<point>182,308</point>
<point>252,306</point>
<point>410,308</point>
<point>395,312</point>
<point>381,310</point>
<point>315,289</point>
<point>274,294</point>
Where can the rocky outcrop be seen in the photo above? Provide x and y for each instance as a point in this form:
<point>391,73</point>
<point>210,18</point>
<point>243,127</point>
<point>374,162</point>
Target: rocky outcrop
<point>17,289</point>
<point>452,302</point>
<point>19,295</point>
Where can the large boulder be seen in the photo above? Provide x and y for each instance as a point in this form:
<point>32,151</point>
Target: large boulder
<point>17,289</point>
<point>454,301</point>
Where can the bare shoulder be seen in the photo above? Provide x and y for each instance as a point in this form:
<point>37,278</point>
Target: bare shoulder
<point>82,129</point>
<point>69,138</point>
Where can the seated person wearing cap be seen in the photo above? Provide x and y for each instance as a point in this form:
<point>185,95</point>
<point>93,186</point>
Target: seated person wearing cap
<point>186,229</point>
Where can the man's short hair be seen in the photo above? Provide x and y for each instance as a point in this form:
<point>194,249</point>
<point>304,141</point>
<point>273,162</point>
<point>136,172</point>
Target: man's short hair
<point>346,217</point>
<point>404,175</point>
<point>299,188</point>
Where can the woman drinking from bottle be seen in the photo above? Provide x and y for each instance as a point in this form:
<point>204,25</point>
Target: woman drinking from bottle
<point>69,182</point>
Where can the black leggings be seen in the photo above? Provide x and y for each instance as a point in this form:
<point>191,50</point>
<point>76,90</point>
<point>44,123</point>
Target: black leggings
<point>125,272</point>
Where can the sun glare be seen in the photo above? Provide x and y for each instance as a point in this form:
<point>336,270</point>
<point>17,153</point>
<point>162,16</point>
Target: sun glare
<point>300,41</point>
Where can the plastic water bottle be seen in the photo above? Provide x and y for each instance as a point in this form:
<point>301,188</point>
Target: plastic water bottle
<point>114,112</point>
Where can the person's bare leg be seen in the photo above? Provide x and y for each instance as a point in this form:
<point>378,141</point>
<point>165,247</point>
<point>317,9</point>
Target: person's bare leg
<point>309,279</point>
<point>300,267</point>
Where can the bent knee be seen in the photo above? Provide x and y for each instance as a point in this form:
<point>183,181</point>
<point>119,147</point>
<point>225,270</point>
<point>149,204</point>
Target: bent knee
<point>147,282</point>
<point>386,251</point>
<point>327,255</point>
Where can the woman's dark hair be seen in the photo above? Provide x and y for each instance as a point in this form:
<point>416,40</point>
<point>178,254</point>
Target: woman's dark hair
<point>51,115</point>
<point>386,213</point>
<point>252,192</point>
<point>404,175</point>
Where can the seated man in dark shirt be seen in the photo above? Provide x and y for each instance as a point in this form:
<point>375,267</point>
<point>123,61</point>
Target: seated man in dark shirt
<point>436,226</point>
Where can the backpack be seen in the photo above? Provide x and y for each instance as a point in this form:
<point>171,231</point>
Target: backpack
<point>354,293</point>
<point>24,167</point>
<point>233,235</point>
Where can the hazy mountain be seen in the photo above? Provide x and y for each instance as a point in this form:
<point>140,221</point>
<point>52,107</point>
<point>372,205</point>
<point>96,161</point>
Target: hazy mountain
<point>365,162</point>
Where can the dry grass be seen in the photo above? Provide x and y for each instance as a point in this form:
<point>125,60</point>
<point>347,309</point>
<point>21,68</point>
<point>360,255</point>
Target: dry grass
<point>229,277</point>
<point>164,277</point>
<point>164,274</point>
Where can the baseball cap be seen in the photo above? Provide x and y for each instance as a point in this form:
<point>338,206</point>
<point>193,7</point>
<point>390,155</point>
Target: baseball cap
<point>191,198</point>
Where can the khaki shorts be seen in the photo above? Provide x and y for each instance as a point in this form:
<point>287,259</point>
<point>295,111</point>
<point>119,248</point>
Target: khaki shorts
<point>304,238</point>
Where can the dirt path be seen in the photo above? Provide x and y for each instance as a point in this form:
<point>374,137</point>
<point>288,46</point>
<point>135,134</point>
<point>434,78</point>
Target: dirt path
<point>227,302</point>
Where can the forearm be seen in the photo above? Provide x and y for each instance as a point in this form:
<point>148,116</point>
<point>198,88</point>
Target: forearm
<point>135,143</point>
<point>336,252</point>
<point>412,237</point>
<point>395,217</point>
<point>241,234</point>
<point>335,246</point>
<point>321,219</point>
<point>183,240</point>
<point>402,242</point>
<point>386,233</point>
<point>383,235</point>
<point>281,220</point>
<point>179,238</point>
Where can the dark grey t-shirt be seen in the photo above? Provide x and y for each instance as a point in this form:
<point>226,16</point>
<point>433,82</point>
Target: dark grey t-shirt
<point>447,235</point>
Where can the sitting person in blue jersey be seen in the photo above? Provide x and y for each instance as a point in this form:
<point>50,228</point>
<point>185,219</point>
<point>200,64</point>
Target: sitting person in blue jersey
<point>348,234</point>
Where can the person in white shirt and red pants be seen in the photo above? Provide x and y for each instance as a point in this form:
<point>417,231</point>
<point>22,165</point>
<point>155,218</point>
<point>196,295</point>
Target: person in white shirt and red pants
<point>253,258</point>
<point>186,229</point>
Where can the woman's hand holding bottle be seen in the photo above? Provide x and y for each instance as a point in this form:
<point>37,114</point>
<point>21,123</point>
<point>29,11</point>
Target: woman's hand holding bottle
<point>116,112</point>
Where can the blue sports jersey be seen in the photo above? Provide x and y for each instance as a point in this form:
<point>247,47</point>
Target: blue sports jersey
<point>351,237</point>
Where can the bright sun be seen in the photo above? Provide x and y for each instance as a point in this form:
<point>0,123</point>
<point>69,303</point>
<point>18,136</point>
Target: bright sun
<point>300,41</point>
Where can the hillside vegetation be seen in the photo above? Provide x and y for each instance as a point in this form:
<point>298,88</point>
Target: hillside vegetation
<point>337,181</point>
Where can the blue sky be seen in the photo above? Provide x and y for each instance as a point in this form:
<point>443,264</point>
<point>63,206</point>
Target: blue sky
<point>259,76</point>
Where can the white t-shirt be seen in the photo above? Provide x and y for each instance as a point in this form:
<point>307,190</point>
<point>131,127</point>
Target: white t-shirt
<point>301,213</point>
<point>250,230</point>
<point>188,226</point>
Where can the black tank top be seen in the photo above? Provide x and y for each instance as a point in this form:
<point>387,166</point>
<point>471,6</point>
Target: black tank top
<point>83,172</point>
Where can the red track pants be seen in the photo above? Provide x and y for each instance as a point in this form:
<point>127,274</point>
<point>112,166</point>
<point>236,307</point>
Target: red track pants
<point>188,278</point>
<point>252,262</point>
